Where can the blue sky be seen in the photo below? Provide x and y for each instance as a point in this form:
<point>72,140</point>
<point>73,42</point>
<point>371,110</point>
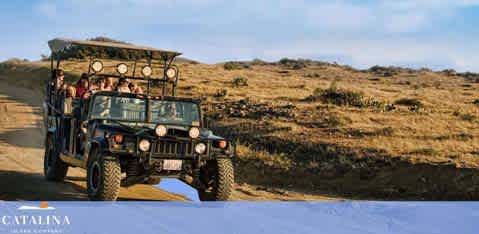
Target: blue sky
<point>434,33</point>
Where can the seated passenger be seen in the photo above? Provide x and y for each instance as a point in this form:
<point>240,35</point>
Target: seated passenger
<point>71,92</point>
<point>104,84</point>
<point>108,86</point>
<point>134,88</point>
<point>82,86</point>
<point>94,87</point>
<point>68,101</point>
<point>123,86</point>
<point>63,89</point>
<point>59,79</point>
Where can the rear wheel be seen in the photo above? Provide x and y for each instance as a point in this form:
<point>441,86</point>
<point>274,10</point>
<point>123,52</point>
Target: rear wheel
<point>218,178</point>
<point>54,168</point>
<point>103,178</point>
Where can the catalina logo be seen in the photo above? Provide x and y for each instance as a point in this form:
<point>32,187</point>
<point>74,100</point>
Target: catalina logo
<point>43,206</point>
<point>34,219</point>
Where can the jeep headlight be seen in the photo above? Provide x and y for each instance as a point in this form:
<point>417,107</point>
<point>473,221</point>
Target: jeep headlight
<point>144,145</point>
<point>194,132</point>
<point>146,71</point>
<point>122,68</point>
<point>161,130</point>
<point>200,148</point>
<point>97,66</point>
<point>171,74</point>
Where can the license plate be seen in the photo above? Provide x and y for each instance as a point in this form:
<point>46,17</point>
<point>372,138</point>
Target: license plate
<point>172,165</point>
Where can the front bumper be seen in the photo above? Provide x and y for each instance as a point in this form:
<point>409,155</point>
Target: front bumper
<point>183,149</point>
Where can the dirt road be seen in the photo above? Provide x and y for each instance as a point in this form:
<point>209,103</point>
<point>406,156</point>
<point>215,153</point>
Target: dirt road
<point>21,156</point>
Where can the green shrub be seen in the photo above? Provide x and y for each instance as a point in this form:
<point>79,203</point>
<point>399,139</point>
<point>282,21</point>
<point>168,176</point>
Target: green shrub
<point>294,64</point>
<point>409,102</point>
<point>467,117</point>
<point>339,97</point>
<point>342,97</point>
<point>235,65</point>
<point>230,66</point>
<point>240,81</point>
<point>221,93</point>
<point>312,75</point>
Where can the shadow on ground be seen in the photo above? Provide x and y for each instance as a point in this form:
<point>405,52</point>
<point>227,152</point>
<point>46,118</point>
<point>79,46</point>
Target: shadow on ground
<point>25,137</point>
<point>19,186</point>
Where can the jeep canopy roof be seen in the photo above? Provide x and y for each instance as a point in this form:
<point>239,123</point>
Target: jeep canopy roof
<point>59,45</point>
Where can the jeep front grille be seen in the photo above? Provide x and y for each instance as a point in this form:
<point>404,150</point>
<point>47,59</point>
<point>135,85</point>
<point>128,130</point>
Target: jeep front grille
<point>173,148</point>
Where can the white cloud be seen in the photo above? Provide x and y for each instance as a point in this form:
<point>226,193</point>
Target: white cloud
<point>365,53</point>
<point>339,16</point>
<point>363,33</point>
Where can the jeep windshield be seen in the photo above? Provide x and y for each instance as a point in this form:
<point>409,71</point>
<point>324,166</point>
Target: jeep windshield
<point>132,109</point>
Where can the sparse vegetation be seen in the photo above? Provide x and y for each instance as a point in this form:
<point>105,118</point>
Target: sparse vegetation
<point>339,97</point>
<point>342,97</point>
<point>235,65</point>
<point>221,93</point>
<point>467,117</point>
<point>240,81</point>
<point>411,102</point>
<point>294,64</point>
<point>312,75</point>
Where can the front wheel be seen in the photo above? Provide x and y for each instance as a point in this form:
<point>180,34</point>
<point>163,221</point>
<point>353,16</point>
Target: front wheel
<point>218,178</point>
<point>103,178</point>
<point>54,168</point>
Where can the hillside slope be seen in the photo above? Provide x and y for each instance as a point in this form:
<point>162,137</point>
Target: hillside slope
<point>321,128</point>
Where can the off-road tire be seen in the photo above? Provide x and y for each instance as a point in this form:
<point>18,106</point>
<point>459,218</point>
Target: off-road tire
<point>103,177</point>
<point>222,173</point>
<point>54,168</point>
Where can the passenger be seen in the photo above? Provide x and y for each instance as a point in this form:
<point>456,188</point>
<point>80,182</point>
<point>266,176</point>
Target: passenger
<point>59,79</point>
<point>68,102</point>
<point>123,86</point>
<point>94,87</point>
<point>108,84</point>
<point>104,84</point>
<point>134,88</point>
<point>63,89</point>
<point>82,85</point>
<point>168,112</point>
<point>71,92</point>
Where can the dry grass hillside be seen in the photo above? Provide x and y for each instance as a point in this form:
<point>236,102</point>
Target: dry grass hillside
<point>320,128</point>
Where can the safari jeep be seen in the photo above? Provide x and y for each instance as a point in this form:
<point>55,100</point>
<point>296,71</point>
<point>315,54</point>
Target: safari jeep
<point>122,139</point>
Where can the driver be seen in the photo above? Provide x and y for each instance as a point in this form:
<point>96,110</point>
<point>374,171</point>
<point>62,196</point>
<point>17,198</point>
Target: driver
<point>169,112</point>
